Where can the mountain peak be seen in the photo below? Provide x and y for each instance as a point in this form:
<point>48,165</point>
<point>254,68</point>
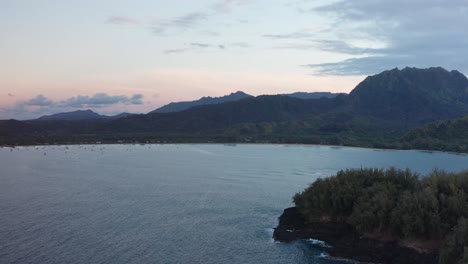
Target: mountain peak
<point>72,116</point>
<point>79,115</point>
<point>238,93</point>
<point>395,93</point>
<point>181,106</point>
<point>414,70</point>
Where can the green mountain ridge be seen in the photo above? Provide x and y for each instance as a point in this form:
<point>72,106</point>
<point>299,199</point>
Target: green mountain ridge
<point>80,115</point>
<point>412,95</point>
<point>182,106</point>
<point>375,114</point>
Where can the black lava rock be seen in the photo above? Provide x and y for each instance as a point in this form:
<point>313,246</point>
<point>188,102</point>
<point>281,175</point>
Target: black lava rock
<point>346,243</point>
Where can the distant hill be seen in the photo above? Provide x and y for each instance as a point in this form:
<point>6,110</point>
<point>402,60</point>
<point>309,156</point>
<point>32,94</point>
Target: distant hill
<point>313,95</point>
<point>80,115</point>
<point>75,115</point>
<point>265,108</point>
<point>412,96</point>
<point>14,127</point>
<point>124,114</point>
<point>449,135</point>
<point>375,114</point>
<point>181,106</point>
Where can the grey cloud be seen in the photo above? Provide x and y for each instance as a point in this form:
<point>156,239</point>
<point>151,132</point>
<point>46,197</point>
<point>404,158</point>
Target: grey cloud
<point>136,99</point>
<point>100,100</point>
<point>123,20</point>
<point>336,46</point>
<point>183,22</point>
<point>172,51</point>
<point>188,20</point>
<point>19,112</point>
<point>296,46</point>
<point>361,66</point>
<point>344,48</point>
<point>200,45</point>
<point>161,27</point>
<point>41,105</point>
<point>294,35</point>
<point>206,45</point>
<point>378,63</point>
<point>229,5</point>
<point>418,33</point>
<point>240,45</point>
<point>211,33</point>
<point>39,100</point>
<point>27,109</point>
<point>192,47</point>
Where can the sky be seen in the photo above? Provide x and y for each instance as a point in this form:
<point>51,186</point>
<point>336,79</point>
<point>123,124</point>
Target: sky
<point>115,56</point>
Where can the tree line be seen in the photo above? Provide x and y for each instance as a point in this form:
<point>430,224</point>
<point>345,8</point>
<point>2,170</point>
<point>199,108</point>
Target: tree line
<point>397,203</point>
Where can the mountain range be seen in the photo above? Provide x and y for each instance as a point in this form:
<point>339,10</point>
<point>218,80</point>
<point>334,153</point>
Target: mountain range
<point>377,113</point>
<point>412,95</point>
<point>181,106</point>
<point>80,115</point>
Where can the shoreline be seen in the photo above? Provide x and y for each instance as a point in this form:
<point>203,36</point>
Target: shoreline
<point>229,144</point>
<point>346,243</point>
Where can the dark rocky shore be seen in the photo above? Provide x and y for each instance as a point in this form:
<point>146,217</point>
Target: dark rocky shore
<point>346,243</point>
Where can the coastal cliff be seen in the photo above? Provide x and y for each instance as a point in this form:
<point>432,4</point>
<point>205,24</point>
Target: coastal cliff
<point>346,243</point>
<point>384,215</point>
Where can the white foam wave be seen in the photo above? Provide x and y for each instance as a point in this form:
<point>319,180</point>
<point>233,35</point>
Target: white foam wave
<point>317,242</point>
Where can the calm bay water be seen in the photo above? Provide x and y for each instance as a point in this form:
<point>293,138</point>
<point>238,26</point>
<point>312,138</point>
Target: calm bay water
<point>169,203</point>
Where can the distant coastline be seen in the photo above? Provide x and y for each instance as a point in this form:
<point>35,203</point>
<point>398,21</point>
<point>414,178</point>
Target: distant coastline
<point>410,108</point>
<point>118,142</point>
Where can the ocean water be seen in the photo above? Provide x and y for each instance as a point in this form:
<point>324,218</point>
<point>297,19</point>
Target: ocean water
<point>169,203</point>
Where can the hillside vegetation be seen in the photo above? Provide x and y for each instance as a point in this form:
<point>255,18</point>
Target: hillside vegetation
<point>387,110</point>
<point>449,135</point>
<point>395,204</point>
<point>181,106</point>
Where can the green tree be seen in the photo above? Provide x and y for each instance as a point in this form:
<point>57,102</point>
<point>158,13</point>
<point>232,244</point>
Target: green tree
<point>455,250</point>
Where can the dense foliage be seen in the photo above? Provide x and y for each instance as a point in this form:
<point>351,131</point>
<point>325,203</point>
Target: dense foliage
<point>398,203</point>
<point>449,135</point>
<point>456,249</point>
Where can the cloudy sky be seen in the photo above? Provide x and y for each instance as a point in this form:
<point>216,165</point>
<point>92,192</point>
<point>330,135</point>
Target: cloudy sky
<point>136,55</point>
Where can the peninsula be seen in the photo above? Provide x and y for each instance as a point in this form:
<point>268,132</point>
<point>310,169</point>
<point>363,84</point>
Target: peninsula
<point>384,216</point>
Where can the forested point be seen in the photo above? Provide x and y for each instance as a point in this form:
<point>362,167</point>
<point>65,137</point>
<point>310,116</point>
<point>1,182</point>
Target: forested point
<point>396,205</point>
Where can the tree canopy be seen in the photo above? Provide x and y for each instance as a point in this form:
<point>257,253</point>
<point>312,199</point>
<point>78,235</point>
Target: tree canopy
<point>399,203</point>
